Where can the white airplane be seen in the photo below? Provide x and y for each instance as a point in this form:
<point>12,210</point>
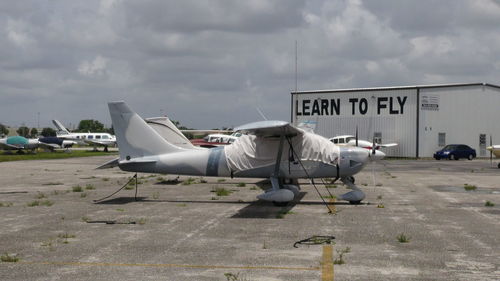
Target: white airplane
<point>19,143</point>
<point>270,149</point>
<point>213,140</point>
<point>494,149</point>
<point>96,139</point>
<point>349,140</point>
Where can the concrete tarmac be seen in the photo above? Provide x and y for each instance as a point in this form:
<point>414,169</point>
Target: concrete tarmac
<point>182,229</point>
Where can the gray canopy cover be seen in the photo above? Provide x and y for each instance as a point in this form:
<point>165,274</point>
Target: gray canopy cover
<point>250,151</point>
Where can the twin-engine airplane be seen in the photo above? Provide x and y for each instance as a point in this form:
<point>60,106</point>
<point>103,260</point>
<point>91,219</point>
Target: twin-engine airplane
<point>349,140</point>
<point>268,149</point>
<point>95,139</point>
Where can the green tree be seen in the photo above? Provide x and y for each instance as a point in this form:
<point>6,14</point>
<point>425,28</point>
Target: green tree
<point>34,132</point>
<point>23,131</point>
<point>48,132</point>
<point>90,125</point>
<point>3,130</point>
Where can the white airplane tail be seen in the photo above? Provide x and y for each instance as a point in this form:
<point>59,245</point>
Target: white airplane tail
<point>61,130</point>
<point>134,136</point>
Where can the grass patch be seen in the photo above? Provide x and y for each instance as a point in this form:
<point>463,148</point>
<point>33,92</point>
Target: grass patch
<point>77,188</point>
<point>83,194</point>
<point>8,258</point>
<point>469,187</point>
<point>378,184</point>
<point>202,180</point>
<point>66,235</point>
<point>89,187</point>
<point>241,184</point>
<point>141,221</point>
<point>221,180</point>
<point>105,179</point>
<point>402,238</point>
<point>281,214</point>
<point>489,204</point>
<point>329,196</point>
<point>340,259</point>
<point>189,181</point>
<point>381,206</point>
<point>51,155</point>
<point>120,210</point>
<point>331,186</point>
<point>253,188</point>
<point>6,204</point>
<point>221,191</point>
<point>85,219</point>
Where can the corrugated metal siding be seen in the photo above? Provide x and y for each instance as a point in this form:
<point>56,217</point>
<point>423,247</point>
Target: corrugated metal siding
<point>400,128</point>
<point>464,113</point>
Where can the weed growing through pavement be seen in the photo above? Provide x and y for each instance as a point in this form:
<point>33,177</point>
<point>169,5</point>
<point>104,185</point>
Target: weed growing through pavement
<point>331,186</point>
<point>402,238</point>
<point>83,194</point>
<point>241,184</point>
<point>189,181</point>
<point>489,204</point>
<point>8,258</point>
<point>253,188</point>
<point>85,219</point>
<point>89,187</point>
<point>221,191</point>
<point>77,188</point>
<point>6,204</point>
<point>379,197</point>
<point>202,180</point>
<point>221,180</point>
<point>469,187</point>
<point>380,206</point>
<point>340,259</point>
<point>105,179</point>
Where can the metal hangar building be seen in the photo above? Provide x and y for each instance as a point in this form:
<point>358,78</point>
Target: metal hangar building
<point>421,119</point>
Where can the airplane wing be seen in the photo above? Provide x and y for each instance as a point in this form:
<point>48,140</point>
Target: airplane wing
<point>50,146</point>
<point>110,164</point>
<point>95,142</point>
<point>10,146</point>
<point>270,128</point>
<point>388,144</point>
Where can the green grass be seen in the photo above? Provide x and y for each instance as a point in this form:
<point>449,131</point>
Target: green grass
<point>50,155</point>
<point>35,203</point>
<point>189,181</point>
<point>53,183</point>
<point>105,179</point>
<point>66,235</point>
<point>8,258</point>
<point>329,197</point>
<point>221,180</point>
<point>253,188</point>
<point>402,238</point>
<point>77,188</point>
<point>489,204</point>
<point>469,187</point>
<point>40,195</point>
<point>89,187</point>
<point>6,204</point>
<point>331,186</point>
<point>241,184</point>
<point>340,259</point>
<point>381,206</point>
<point>221,191</point>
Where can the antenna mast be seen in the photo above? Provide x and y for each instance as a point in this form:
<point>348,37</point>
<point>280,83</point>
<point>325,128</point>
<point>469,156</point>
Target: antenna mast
<point>295,66</point>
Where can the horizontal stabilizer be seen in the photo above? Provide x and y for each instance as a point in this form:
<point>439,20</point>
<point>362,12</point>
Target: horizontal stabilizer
<point>270,128</point>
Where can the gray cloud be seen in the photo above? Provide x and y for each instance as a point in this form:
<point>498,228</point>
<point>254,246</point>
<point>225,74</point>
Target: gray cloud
<point>211,63</point>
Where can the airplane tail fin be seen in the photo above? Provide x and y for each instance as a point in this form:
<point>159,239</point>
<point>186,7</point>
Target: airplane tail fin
<point>134,136</point>
<point>61,130</point>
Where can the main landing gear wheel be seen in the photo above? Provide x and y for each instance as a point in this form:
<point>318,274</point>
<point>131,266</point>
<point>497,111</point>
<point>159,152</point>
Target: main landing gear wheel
<point>351,179</point>
<point>280,204</point>
<point>357,202</point>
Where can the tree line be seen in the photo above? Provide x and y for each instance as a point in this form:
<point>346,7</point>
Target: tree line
<point>88,125</point>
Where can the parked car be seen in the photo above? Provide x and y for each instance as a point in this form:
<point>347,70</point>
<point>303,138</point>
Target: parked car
<point>455,152</point>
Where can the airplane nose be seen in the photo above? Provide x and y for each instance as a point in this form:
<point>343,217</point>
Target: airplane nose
<point>355,155</point>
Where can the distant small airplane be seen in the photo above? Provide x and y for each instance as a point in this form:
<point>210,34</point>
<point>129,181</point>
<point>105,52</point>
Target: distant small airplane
<point>349,140</point>
<point>213,140</point>
<point>55,142</point>
<point>95,139</point>
<point>19,143</point>
<point>268,149</point>
<point>494,149</point>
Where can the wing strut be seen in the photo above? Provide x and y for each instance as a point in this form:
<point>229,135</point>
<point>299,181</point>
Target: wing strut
<point>310,178</point>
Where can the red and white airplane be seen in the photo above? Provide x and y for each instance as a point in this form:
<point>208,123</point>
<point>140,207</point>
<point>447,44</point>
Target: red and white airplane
<point>349,140</point>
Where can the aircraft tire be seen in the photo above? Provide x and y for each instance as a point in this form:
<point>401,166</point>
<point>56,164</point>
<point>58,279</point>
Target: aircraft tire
<point>355,202</point>
<point>280,204</point>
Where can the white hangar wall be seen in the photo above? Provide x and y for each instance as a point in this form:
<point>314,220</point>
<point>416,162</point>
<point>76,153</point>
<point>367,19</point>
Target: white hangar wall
<point>389,112</point>
<point>463,114</point>
<point>412,116</point>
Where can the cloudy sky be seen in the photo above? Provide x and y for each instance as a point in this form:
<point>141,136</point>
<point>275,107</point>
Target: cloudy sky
<point>212,63</point>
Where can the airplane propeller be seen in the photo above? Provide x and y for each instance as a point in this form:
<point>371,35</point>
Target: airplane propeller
<point>491,151</point>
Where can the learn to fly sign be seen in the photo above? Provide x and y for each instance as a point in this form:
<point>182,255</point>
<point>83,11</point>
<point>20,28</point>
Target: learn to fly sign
<point>353,106</point>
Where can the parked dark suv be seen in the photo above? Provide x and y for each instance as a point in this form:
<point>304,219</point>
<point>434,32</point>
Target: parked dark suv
<point>455,152</point>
